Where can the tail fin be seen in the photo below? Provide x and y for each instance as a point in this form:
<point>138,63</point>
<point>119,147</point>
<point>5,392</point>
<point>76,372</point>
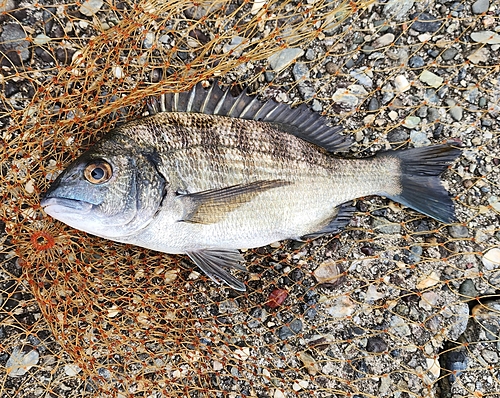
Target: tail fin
<point>422,189</point>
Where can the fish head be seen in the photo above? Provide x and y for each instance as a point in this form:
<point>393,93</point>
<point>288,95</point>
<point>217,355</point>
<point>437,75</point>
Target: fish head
<point>113,190</point>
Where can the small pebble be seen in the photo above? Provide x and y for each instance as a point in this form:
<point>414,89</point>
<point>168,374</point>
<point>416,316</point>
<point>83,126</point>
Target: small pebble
<point>398,9</point>
<point>416,62</point>
<point>91,7</point>
<point>428,281</point>
<point>458,231</point>
<point>411,122</point>
<point>279,394</point>
<point>376,344</point>
<point>309,363</point>
<point>340,307</point>
<point>373,105</point>
<point>14,44</point>
<point>300,71</point>
<point>383,41</point>
<point>300,385</point>
<point>402,84</point>
<point>449,54</point>
<point>399,135</point>
<point>276,298</point>
<point>288,331</point>
<point>481,55</point>
<point>386,227</point>
<point>468,290</point>
<point>431,79</point>
<point>242,354</point>
<point>72,369</point>
<point>456,112</point>
<point>491,259</point>
<point>328,272</point>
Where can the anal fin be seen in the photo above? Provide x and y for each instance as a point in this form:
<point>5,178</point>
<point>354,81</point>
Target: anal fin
<point>341,219</point>
<point>215,263</point>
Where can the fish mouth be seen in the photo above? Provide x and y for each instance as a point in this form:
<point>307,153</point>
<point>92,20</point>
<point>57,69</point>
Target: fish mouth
<point>61,205</point>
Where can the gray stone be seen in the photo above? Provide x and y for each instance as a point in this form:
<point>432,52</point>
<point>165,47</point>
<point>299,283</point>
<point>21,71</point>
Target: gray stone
<point>373,105</point>
<point>289,331</point>
<point>310,54</point>
<point>281,59</point>
<point>419,138</point>
<point>468,290</point>
<point>449,54</point>
<point>300,71</point>
<point>362,78</point>
<point>14,43</point>
<point>480,6</point>
<point>386,227</point>
<point>456,112</point>
<point>399,135</point>
<point>398,8</point>
<point>458,231</point>
<point>425,22</point>
<point>416,62</point>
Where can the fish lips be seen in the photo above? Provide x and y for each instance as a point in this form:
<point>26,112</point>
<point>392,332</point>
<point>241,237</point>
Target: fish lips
<point>55,205</point>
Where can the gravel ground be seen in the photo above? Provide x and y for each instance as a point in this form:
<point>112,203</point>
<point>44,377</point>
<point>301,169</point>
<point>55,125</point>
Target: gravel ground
<point>398,305</point>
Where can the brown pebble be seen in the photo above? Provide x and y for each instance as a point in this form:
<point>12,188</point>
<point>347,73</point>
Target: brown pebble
<point>331,68</point>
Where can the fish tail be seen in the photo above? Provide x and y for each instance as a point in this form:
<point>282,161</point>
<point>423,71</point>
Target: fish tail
<point>420,186</point>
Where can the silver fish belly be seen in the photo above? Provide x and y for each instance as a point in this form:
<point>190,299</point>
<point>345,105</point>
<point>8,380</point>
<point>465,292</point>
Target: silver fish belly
<point>214,174</point>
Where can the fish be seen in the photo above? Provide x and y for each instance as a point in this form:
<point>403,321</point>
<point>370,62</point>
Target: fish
<point>208,174</point>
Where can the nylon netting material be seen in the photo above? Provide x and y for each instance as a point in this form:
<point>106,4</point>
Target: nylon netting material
<point>397,305</point>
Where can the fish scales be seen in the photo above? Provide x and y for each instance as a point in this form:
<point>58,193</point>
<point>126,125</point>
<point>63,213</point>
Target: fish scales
<point>207,185</point>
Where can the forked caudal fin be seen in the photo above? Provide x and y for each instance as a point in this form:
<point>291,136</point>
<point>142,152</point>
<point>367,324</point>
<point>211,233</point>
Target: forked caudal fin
<point>422,189</point>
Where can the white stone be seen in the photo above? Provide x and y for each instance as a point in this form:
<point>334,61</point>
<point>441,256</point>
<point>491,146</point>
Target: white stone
<point>384,40</point>
<point>491,259</point>
<point>433,367</point>
<point>402,84</point>
<point>19,363</point>
<point>428,281</point>
<point>300,384</point>
<point>41,39</point>
<point>279,394</point>
<point>90,7</point>
<point>486,37</point>
<point>71,369</point>
<point>118,72</point>
<point>431,79</point>
<point>242,354</point>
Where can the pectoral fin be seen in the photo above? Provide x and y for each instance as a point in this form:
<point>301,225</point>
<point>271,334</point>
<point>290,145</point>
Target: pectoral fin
<point>211,206</point>
<point>213,261</point>
<point>338,223</point>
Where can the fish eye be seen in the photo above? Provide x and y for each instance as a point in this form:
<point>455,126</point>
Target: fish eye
<point>98,172</point>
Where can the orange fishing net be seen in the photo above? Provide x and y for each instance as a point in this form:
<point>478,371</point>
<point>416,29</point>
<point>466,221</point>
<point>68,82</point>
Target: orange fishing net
<point>397,305</point>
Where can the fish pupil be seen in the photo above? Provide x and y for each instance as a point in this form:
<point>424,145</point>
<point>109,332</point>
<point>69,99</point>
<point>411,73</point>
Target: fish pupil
<point>97,173</point>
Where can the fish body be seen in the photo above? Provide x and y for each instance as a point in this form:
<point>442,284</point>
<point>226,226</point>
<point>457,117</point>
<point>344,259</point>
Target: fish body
<point>196,180</point>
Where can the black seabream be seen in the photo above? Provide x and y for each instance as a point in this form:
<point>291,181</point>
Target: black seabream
<point>211,173</point>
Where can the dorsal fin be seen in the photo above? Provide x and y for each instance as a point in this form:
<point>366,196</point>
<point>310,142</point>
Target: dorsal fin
<point>301,121</point>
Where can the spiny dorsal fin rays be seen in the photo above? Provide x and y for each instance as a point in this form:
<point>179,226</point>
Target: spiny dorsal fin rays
<point>300,121</point>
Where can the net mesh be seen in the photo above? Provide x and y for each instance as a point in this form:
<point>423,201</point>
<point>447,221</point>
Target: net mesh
<point>397,305</point>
